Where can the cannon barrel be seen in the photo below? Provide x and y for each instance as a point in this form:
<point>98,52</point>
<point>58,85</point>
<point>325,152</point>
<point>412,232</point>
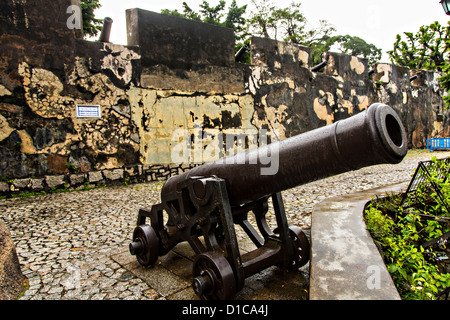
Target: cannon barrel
<point>240,52</point>
<point>320,66</point>
<point>374,136</point>
<point>106,30</point>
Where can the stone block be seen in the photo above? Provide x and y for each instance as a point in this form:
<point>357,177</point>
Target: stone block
<point>77,178</point>
<point>22,183</point>
<point>11,277</point>
<point>4,187</point>
<point>95,176</point>
<point>115,174</point>
<point>54,181</point>
<point>37,184</point>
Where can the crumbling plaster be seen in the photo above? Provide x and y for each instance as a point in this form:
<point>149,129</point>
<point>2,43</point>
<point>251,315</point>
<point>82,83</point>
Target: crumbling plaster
<point>158,113</point>
<point>45,97</point>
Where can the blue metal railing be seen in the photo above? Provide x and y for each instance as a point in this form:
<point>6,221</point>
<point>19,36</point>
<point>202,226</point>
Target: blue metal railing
<point>438,144</point>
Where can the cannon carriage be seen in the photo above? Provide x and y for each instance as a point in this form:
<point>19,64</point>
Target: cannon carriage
<point>208,201</point>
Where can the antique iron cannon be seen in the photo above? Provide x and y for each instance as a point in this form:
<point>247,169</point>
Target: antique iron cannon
<point>106,30</point>
<point>207,201</point>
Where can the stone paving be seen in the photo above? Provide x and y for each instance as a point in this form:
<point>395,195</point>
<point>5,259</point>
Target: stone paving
<point>73,245</point>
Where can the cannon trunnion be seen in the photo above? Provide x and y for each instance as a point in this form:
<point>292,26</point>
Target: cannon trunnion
<point>206,202</point>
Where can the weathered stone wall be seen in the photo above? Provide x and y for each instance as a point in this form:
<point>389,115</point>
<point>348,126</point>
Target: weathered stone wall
<point>45,73</point>
<point>182,54</point>
<point>419,102</point>
<point>291,98</point>
<point>176,80</point>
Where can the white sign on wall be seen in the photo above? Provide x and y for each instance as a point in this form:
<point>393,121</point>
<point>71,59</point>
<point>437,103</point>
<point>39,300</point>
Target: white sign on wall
<point>88,111</point>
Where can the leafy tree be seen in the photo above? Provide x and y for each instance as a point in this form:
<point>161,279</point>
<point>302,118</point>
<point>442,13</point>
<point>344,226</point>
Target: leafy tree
<point>287,24</point>
<point>235,18</point>
<point>190,14</point>
<point>261,21</point>
<point>427,49</point>
<point>91,25</point>
<point>353,46</point>
<point>186,15</point>
<point>212,15</point>
<point>292,22</point>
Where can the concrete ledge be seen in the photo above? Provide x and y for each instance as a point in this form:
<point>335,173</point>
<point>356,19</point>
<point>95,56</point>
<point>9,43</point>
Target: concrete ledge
<point>345,263</point>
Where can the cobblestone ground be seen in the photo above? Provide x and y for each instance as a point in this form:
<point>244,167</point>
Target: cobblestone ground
<point>64,241</point>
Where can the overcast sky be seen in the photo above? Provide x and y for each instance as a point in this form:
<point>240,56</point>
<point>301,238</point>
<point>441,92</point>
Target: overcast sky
<point>377,22</point>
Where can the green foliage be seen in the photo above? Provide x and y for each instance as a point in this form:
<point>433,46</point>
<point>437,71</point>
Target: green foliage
<point>426,199</point>
<point>91,25</point>
<point>27,194</point>
<point>212,15</point>
<point>347,44</point>
<point>412,269</point>
<point>379,224</point>
<point>415,276</point>
<point>72,168</point>
<point>291,22</point>
<point>235,19</point>
<point>427,49</point>
<point>261,22</point>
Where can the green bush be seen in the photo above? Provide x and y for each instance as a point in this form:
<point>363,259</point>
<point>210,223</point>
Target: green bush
<point>399,236</point>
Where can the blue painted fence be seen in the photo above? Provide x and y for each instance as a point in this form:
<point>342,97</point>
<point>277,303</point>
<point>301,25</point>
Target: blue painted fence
<point>438,144</point>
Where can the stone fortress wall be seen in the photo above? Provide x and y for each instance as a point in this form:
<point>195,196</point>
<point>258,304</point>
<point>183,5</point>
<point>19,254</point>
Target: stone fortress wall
<point>175,76</point>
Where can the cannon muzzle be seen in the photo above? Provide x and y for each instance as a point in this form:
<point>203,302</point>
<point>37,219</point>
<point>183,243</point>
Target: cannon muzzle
<point>372,137</point>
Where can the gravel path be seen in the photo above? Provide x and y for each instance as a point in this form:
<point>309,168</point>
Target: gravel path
<point>64,241</point>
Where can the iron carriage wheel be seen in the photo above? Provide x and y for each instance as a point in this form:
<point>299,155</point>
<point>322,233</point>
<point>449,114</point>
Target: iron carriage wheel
<point>213,277</point>
<point>145,245</point>
<point>301,248</point>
